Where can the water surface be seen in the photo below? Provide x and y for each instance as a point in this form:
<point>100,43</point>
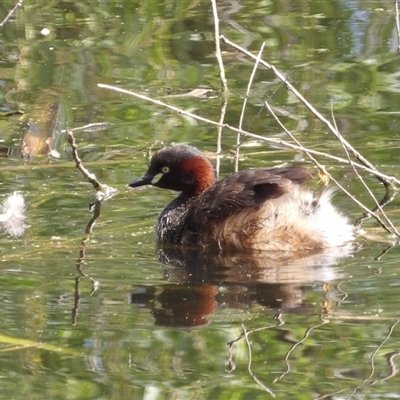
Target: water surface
<point>111,317</point>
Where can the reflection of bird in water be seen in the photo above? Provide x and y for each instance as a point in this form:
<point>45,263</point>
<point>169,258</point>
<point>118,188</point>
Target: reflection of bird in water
<point>248,267</point>
<point>12,215</point>
<point>257,209</point>
<point>199,282</point>
<point>177,305</point>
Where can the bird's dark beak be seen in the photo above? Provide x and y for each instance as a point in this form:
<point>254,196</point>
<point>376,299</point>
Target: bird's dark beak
<point>144,180</point>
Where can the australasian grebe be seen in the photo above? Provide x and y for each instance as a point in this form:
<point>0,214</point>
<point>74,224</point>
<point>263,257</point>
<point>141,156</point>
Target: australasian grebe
<point>255,209</point>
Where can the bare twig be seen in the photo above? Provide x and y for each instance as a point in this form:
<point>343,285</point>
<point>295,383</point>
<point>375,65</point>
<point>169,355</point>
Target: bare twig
<point>383,252</point>
<point>329,395</point>
<point>219,133</point>
<point>93,127</point>
<point>292,89</point>
<point>248,134</point>
<point>102,193</point>
<point>393,368</point>
<point>11,13</point>
<point>305,337</point>
<point>95,284</point>
<point>345,295</point>
<point>224,85</point>
<point>391,329</point>
<point>77,301</point>
<point>263,328</point>
<point>388,198</point>
<point>365,381</point>
<point>323,169</point>
<point>78,162</point>
<point>244,106</point>
<point>267,389</point>
<point>230,364</point>
<point>378,206</point>
<point>396,8</point>
<point>394,371</point>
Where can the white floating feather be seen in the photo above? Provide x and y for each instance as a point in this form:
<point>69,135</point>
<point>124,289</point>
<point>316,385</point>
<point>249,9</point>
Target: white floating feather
<point>13,215</point>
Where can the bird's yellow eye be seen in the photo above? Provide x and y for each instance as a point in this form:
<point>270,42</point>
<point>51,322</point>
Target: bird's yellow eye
<point>165,170</point>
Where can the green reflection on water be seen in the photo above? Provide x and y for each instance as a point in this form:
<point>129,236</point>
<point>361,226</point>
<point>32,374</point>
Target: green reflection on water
<point>340,52</point>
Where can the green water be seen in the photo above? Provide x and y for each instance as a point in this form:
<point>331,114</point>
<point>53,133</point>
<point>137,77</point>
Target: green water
<point>101,317</point>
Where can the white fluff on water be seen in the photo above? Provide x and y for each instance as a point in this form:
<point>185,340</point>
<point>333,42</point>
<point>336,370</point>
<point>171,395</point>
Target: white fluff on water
<point>12,215</point>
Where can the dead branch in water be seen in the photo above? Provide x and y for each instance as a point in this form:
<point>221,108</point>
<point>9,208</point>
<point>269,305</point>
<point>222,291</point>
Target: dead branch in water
<point>274,141</point>
<point>11,13</point>
<point>238,138</point>
<point>396,8</point>
<point>218,55</point>
<point>362,163</point>
<point>311,108</point>
<point>102,193</point>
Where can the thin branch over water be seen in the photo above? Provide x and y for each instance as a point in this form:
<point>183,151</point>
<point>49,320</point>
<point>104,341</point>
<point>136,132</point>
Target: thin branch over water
<point>11,13</point>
